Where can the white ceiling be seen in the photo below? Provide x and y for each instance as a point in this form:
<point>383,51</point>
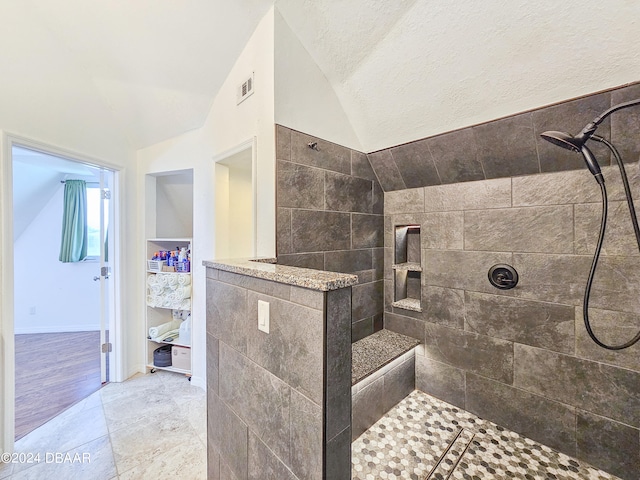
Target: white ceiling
<point>146,70</point>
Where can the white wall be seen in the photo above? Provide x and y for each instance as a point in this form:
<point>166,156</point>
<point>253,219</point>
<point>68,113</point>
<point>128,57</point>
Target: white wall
<point>227,126</point>
<point>47,287</point>
<point>174,205</point>
<point>304,98</point>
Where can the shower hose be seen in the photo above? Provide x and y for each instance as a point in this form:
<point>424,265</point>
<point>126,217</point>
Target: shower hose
<point>596,255</point>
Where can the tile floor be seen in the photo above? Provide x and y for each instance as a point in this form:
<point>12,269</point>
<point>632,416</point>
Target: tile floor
<point>149,427</point>
<point>425,438</point>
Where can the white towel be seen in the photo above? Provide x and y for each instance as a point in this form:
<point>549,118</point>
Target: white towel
<point>152,280</point>
<point>183,292</point>
<point>184,280</point>
<point>172,279</point>
<point>155,289</point>
<point>151,301</point>
<point>161,279</point>
<point>156,332</point>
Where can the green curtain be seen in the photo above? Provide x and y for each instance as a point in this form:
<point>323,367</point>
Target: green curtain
<point>74,222</point>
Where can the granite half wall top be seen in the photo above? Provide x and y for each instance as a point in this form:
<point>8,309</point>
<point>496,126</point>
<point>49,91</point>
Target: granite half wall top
<point>268,269</point>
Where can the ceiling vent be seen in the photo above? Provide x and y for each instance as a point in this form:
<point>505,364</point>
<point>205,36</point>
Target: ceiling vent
<point>246,89</point>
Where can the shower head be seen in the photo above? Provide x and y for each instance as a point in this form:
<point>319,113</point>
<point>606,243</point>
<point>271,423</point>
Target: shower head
<point>576,144</point>
<point>563,140</point>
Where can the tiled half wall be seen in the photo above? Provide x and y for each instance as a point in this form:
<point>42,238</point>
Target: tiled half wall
<point>330,218</point>
<point>278,405</point>
<point>521,357</point>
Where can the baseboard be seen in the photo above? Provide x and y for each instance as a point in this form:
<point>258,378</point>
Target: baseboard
<point>56,329</point>
<point>199,382</point>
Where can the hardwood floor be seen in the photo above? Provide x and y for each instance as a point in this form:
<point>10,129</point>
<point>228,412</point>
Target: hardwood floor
<point>53,372</point>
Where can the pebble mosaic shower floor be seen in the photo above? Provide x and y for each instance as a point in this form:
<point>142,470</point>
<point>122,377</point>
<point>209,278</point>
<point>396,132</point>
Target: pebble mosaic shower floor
<point>424,438</point>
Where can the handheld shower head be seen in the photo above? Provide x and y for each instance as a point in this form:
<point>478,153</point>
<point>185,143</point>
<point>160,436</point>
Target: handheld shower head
<point>562,139</point>
<point>575,144</point>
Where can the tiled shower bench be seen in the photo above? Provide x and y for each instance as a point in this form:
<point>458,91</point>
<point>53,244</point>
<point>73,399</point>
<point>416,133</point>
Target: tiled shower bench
<point>382,374</point>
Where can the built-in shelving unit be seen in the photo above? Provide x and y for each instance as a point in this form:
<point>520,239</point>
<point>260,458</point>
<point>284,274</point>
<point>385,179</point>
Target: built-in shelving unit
<point>407,268</point>
<point>169,298</point>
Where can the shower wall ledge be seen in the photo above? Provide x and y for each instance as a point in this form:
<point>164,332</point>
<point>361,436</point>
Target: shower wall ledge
<point>267,269</point>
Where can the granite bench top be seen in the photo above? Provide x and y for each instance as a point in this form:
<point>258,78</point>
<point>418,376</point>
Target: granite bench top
<point>375,351</point>
<point>266,268</point>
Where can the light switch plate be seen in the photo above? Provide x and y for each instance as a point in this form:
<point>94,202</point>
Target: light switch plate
<point>263,316</point>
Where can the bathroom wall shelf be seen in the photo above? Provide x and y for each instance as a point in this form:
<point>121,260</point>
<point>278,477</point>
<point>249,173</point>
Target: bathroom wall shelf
<point>158,313</point>
<point>407,268</point>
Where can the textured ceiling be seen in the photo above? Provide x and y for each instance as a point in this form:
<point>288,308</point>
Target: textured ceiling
<point>153,66</point>
<point>146,70</point>
<point>405,70</point>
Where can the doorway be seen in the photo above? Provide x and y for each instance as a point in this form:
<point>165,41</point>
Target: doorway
<point>64,308</point>
<point>235,198</point>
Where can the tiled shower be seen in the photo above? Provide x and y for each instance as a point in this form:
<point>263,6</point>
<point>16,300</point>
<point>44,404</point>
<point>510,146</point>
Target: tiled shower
<point>485,195</point>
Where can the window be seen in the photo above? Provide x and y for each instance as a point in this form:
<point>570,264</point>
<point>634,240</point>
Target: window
<point>93,222</point>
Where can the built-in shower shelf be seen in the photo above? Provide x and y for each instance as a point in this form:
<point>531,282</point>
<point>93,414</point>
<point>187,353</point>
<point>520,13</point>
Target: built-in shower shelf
<point>407,266</point>
<point>412,304</point>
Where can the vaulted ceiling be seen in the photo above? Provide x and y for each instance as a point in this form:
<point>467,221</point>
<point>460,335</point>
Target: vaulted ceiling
<point>146,70</point>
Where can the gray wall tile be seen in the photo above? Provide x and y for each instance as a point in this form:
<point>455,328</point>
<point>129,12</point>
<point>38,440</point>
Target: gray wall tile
<point>378,199</point>
<point>398,383</point>
<point>367,300</point>
<point>443,305</point>
<point>337,387</point>
<point>468,196</point>
<point>307,297</point>
<point>545,325</point>
<point>595,387</point>
<point>338,457</point>
<point>227,313</point>
<point>608,445</point>
<point>411,327</point>
<point>616,284</point>
<point>415,164</point>
<point>619,238</point>
<point>536,417</point>
<point>378,263</point>
<point>368,407</point>
<point>570,117</point>
<point>348,261</point>
<point>532,229</point>
<point>306,437</point>
<point>561,188</point>
<point>440,380</point>
<point>361,329</point>
<point>299,186</point>
<point>551,278</point>
<point>481,354</point>
<point>315,231</point>
<point>259,285</point>
<point>624,124</point>
<point>404,201</point>
<point>386,171</point>
<point>455,156</point>
<point>443,230</point>
<point>283,143</point>
<point>507,147</point>
<point>314,261</point>
<point>213,350</point>
<point>291,350</point>
<point>345,193</point>
<point>328,155</point>
<point>360,166</point>
<point>283,231</point>
<point>263,464</point>
<point>213,464</point>
<point>613,328</point>
<point>367,231</point>
<point>228,434</point>
<point>266,410</point>
<point>461,270</point>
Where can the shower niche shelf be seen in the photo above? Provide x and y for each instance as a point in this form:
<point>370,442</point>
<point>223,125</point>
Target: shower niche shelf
<point>407,268</point>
